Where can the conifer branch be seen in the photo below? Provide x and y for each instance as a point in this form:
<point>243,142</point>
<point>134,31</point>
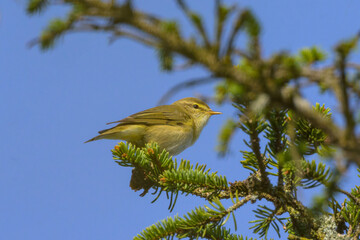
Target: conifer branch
<point>165,173</point>
<point>219,232</point>
<point>266,217</point>
<point>189,225</point>
<point>161,171</point>
<point>313,174</point>
<point>189,181</point>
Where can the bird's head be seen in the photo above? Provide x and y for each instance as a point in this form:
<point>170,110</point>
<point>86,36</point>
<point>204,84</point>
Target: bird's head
<point>198,110</point>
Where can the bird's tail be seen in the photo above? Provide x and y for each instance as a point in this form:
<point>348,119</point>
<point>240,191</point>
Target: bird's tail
<point>103,134</point>
<point>127,133</point>
<point>95,138</point>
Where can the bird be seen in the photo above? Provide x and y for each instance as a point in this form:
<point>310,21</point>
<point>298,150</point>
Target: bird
<point>173,127</point>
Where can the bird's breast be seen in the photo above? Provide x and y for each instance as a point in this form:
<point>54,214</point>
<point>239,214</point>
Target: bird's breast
<point>174,139</point>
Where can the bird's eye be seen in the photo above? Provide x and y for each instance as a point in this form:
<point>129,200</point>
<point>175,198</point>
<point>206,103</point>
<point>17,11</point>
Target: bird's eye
<point>196,106</point>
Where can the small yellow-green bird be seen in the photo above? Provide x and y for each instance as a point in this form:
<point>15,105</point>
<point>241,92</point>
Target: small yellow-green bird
<point>174,127</point>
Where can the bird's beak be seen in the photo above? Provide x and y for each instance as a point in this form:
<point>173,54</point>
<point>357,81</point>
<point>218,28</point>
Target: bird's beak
<point>214,113</point>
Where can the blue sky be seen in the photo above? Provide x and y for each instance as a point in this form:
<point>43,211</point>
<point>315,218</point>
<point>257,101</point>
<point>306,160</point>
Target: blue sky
<point>55,187</point>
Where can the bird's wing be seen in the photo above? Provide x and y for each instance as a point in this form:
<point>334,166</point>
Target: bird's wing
<point>162,115</point>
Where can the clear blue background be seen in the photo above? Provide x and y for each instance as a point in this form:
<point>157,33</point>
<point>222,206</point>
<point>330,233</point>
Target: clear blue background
<point>52,185</point>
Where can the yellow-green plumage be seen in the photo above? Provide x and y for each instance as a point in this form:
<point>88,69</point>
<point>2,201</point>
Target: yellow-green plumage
<point>174,127</point>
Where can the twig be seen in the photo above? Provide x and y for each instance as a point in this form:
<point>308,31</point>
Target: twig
<point>355,199</point>
<point>255,145</point>
<point>241,53</point>
<point>184,66</point>
<point>353,65</point>
<point>198,25</point>
<point>234,31</point>
<point>344,100</point>
<point>186,84</point>
<point>219,26</point>
<point>294,237</point>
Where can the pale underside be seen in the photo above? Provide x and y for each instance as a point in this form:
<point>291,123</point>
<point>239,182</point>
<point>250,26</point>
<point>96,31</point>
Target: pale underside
<point>172,138</point>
